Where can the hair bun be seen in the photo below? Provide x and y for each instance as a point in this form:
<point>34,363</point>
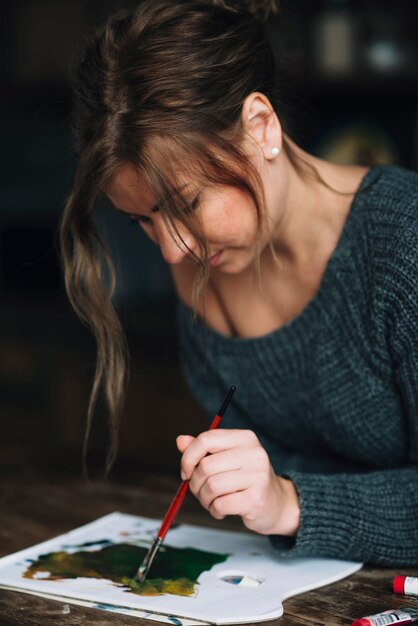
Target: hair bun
<point>261,9</point>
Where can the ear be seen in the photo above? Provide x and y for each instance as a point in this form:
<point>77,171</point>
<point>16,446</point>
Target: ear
<point>260,121</point>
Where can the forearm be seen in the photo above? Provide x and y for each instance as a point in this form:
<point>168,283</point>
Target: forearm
<point>366,517</point>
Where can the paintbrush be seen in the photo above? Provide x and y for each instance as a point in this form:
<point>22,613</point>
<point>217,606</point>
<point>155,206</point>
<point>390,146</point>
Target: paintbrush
<point>174,507</point>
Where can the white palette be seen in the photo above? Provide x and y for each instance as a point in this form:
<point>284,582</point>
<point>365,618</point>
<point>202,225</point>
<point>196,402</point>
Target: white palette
<point>215,601</point>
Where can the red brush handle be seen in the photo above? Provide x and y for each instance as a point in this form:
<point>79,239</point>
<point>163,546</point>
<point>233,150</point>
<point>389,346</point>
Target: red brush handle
<point>173,509</point>
<point>179,497</point>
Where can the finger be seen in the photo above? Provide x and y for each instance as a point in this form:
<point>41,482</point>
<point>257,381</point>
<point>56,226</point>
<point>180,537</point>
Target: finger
<point>231,504</point>
<point>212,464</point>
<point>184,441</point>
<point>221,485</point>
<point>212,441</point>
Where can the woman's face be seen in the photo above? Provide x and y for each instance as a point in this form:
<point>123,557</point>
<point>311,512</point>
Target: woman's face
<point>227,216</point>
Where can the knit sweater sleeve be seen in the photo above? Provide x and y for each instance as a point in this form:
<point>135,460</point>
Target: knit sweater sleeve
<point>373,517</point>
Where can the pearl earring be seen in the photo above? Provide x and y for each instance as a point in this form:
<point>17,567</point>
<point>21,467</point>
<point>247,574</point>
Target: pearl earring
<point>275,151</point>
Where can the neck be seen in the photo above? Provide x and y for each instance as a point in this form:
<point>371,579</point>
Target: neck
<point>318,201</point>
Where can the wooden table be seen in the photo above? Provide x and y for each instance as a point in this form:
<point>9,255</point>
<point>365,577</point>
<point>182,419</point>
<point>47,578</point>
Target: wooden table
<point>34,509</point>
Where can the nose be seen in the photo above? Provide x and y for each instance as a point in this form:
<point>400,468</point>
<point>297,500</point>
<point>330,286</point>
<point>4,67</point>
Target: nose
<point>175,247</point>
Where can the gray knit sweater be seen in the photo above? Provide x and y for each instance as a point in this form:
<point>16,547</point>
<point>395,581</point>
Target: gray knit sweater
<point>333,394</point>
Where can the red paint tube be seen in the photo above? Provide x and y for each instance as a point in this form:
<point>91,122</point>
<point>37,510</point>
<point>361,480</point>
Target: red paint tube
<point>406,585</point>
<point>398,616</point>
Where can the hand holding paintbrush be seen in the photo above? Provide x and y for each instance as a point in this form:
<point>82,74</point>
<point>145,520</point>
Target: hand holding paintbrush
<point>174,507</point>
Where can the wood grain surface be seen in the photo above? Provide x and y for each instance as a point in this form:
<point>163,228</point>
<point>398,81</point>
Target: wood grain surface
<point>34,509</point>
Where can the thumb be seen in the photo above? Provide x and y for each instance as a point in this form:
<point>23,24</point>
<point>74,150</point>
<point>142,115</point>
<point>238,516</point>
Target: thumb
<point>183,442</point>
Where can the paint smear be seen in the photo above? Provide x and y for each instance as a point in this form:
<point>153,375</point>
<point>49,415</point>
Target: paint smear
<point>174,571</point>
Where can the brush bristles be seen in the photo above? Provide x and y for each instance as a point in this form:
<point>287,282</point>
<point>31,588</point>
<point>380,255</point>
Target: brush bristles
<point>144,568</point>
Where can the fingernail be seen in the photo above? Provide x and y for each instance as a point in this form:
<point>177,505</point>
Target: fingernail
<point>183,475</point>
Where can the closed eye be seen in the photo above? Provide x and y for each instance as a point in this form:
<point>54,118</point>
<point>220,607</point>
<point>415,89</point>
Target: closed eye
<point>143,220</point>
<point>193,205</point>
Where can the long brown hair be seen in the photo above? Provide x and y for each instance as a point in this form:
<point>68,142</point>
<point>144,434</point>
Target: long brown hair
<point>157,88</point>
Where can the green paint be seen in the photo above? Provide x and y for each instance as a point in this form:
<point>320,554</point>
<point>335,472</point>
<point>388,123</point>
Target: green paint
<point>175,570</point>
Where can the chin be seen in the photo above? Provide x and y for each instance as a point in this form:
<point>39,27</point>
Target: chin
<point>234,266</point>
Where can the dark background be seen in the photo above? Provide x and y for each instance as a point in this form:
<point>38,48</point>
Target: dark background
<point>353,87</point>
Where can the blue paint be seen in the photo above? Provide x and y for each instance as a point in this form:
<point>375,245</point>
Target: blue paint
<point>232,580</point>
<point>106,607</point>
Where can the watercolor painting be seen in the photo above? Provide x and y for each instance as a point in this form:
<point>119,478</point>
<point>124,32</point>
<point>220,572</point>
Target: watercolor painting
<point>94,566</point>
<point>175,570</point>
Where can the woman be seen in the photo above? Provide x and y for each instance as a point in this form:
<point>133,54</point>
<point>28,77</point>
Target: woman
<point>297,280</point>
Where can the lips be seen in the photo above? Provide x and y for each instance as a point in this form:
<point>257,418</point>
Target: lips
<point>215,259</point>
